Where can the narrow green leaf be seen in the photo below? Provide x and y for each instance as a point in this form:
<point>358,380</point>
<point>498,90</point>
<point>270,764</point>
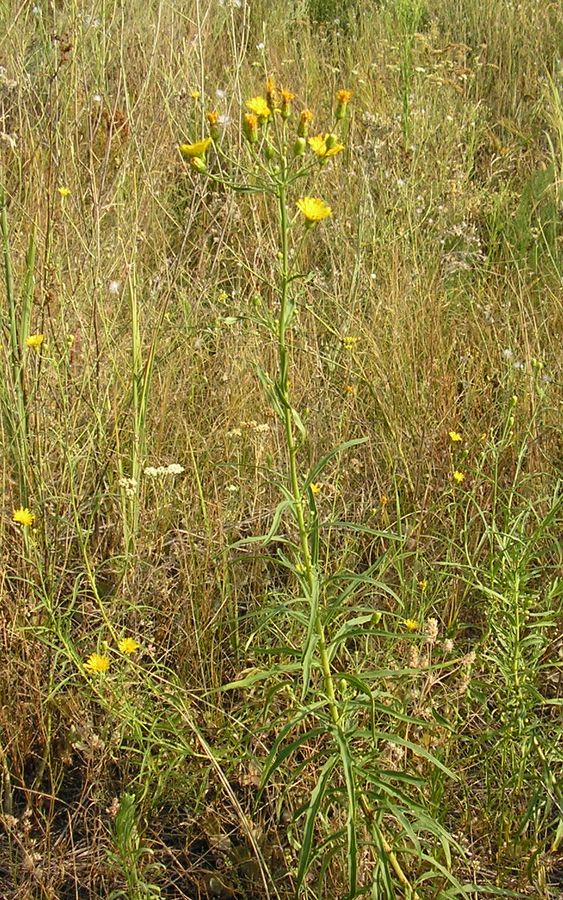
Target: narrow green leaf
<point>340,448</point>
<point>311,817</point>
<point>348,770</point>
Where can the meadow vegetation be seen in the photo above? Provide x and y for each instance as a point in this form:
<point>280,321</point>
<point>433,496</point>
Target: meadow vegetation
<point>280,427</point>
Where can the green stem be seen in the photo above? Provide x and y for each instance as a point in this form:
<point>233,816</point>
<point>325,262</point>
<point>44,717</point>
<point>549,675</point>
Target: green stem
<point>283,353</point>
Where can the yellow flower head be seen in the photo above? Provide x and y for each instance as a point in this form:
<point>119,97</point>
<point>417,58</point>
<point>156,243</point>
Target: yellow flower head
<point>258,106</point>
<point>455,437</point>
<point>423,584</point>
<point>315,487</point>
<point>343,96</point>
<point>23,516</point>
<point>411,624</point>
<point>213,118</point>
<point>313,208</point>
<point>349,342</point>
<point>197,150</point>
<point>97,663</point>
<point>195,95</point>
<point>128,646</point>
<point>34,341</point>
<point>458,476</point>
<point>63,191</point>
<point>323,147</point>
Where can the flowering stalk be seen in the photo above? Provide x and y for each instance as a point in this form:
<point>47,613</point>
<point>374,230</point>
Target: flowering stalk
<point>311,575</point>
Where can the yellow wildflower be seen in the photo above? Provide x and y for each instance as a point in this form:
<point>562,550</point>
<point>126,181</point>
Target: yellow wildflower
<point>458,476</point>
<point>344,96</point>
<point>455,437</point>
<point>213,117</point>
<point>258,106</point>
<point>314,209</point>
<point>423,584</point>
<point>63,191</point>
<point>315,487</point>
<point>195,95</point>
<point>197,150</point>
<point>349,342</point>
<point>34,341</point>
<point>23,516</point>
<point>411,624</point>
<point>384,500</point>
<point>317,144</point>
<point>97,663</point>
<point>128,646</point>
<point>323,148</point>
<point>287,96</point>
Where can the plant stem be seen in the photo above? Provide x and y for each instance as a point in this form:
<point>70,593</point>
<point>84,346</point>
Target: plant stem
<point>283,355</point>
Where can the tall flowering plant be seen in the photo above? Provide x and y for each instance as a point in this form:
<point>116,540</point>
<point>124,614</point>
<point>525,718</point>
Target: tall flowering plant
<point>282,153</point>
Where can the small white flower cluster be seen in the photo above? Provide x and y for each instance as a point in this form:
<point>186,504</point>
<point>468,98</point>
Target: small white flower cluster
<point>253,425</point>
<point>129,485</point>
<point>155,472</point>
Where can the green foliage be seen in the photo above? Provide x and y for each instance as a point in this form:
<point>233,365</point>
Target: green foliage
<point>133,859</point>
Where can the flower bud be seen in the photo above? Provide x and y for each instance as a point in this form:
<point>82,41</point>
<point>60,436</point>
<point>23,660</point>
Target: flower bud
<point>269,151</point>
<point>271,93</point>
<point>343,97</point>
<point>299,146</point>
<point>198,164</point>
<point>305,120</point>
<point>250,127</point>
<point>286,97</point>
<point>213,119</point>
